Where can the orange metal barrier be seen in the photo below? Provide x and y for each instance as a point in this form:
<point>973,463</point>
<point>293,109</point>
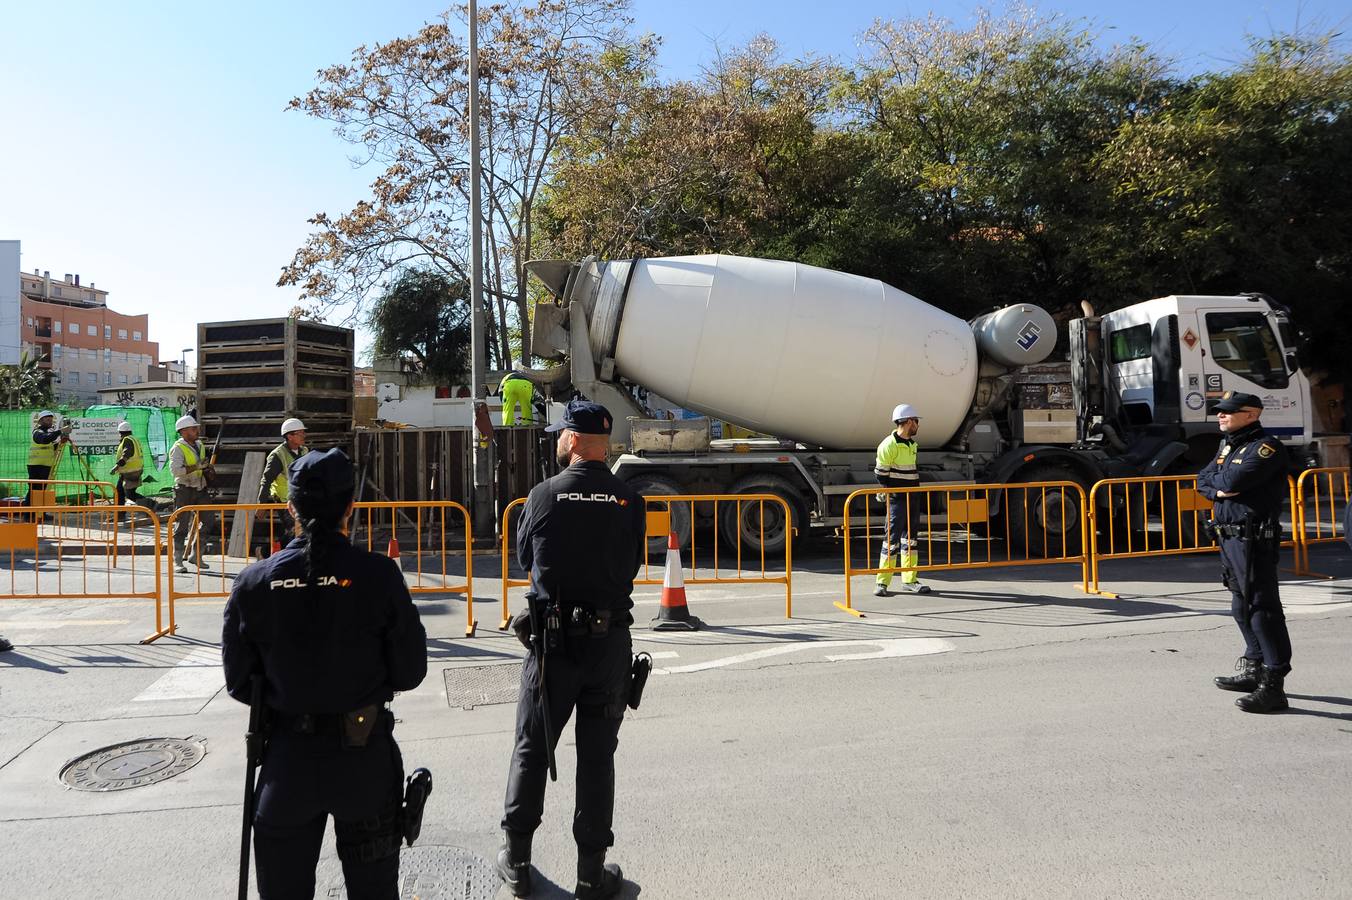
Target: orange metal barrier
<point>1320,497</point>
<point>379,524</point>
<point>46,559</point>
<point>507,553</point>
<point>1032,529</point>
<point>1153,516</point>
<point>87,493</point>
<point>749,510</point>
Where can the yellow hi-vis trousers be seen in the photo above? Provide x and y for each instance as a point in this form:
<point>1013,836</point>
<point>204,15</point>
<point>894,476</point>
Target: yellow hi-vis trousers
<point>517,392</point>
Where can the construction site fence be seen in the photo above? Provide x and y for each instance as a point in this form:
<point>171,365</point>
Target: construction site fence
<point>427,537</point>
<point>81,552</point>
<point>721,565</point>
<point>953,526</point>
<point>82,462</point>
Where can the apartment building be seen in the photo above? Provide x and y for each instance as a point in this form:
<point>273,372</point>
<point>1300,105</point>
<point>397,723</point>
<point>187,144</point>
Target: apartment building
<point>86,345</point>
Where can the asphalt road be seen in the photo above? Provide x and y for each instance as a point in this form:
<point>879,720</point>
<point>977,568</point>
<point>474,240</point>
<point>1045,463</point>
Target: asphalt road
<point>1007,736</point>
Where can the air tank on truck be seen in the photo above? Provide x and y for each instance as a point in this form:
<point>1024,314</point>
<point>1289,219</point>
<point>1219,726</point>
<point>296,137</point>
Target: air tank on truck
<point>818,359</point>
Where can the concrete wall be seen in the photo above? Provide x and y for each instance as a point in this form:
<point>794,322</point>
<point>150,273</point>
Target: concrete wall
<point>9,303</point>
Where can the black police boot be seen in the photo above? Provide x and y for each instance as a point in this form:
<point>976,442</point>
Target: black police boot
<point>1245,677</point>
<point>1270,696</point>
<point>596,878</point>
<point>513,864</point>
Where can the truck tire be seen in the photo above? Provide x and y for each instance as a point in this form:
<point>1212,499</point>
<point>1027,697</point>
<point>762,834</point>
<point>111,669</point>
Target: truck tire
<point>1045,522</point>
<point>658,486</point>
<point>741,522</point>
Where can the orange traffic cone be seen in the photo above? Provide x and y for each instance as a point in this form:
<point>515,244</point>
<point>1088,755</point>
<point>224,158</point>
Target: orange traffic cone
<point>673,614</point>
<point>393,551</point>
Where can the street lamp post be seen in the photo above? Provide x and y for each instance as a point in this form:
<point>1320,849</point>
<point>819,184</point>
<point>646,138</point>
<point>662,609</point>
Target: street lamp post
<point>482,507</point>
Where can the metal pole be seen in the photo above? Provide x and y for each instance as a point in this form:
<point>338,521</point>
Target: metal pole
<point>482,507</point>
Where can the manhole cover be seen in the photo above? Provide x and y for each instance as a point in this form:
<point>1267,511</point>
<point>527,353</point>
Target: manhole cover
<point>426,872</point>
<point>133,764</point>
<point>471,686</point>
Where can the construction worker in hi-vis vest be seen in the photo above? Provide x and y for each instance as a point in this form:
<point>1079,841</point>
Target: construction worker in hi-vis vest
<point>130,465</point>
<point>895,467</point>
<point>44,450</point>
<point>517,391</point>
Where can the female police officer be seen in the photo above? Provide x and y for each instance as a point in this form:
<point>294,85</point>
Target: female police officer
<point>333,631</point>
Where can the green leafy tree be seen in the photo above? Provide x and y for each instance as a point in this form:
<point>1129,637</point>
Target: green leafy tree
<point>404,105</point>
<point>425,316</point>
<point>27,384</point>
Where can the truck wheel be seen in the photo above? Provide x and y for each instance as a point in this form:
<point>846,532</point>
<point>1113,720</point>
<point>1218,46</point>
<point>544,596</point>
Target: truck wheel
<point>1044,521</point>
<point>742,522</point>
<point>657,486</point>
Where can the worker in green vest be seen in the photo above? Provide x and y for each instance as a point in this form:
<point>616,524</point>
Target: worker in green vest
<point>274,486</point>
<point>130,465</point>
<point>895,467</point>
<point>517,391</point>
<point>44,450</point>
<point>191,469</point>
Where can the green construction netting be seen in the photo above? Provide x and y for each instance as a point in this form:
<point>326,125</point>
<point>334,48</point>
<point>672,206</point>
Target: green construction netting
<point>153,426</point>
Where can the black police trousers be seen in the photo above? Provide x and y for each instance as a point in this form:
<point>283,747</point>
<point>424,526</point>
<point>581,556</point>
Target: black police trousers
<point>590,673</point>
<point>1259,615</point>
<point>305,778</point>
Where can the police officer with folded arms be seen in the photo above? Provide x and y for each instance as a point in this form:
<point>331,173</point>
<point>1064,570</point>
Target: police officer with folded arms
<point>333,633</point>
<point>1247,482</point>
<point>581,537</point>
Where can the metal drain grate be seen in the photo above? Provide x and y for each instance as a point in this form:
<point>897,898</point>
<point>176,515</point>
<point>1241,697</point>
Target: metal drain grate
<point>427,872</point>
<point>471,686</point>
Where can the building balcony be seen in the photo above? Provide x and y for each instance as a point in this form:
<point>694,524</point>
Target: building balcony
<point>42,332</point>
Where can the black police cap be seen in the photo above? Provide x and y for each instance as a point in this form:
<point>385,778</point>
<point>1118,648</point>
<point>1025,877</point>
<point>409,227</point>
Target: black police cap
<point>584,417</point>
<point>1234,401</point>
<point>320,477</point>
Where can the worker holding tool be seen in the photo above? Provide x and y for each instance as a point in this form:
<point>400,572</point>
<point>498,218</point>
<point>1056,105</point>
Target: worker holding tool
<point>45,450</point>
<point>191,468</point>
<point>129,465</point>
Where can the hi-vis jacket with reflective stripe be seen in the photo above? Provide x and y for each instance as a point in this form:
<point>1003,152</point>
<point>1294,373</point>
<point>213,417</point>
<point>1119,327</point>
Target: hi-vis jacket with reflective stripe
<point>895,465</point>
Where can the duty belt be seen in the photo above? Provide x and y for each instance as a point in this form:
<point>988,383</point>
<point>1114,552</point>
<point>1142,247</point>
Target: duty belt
<point>1261,531</point>
<point>326,723</point>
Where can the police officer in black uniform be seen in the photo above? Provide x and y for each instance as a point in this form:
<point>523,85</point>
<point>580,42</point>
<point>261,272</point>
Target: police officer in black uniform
<point>581,537</point>
<point>334,633</point>
<point>1247,481</point>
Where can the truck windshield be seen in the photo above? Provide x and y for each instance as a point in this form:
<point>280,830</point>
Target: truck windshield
<point>1243,343</point>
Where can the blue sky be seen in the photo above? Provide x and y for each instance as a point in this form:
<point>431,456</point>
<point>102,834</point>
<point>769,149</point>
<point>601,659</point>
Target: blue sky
<point>147,147</point>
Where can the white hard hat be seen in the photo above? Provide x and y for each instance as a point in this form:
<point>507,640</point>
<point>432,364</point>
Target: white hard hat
<point>185,422</point>
<point>291,425</point>
<point>46,413</point>
<point>903,412</point>
<point>124,427</point>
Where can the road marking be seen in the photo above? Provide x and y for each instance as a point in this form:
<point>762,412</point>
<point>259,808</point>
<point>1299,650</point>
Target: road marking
<point>197,676</point>
<point>665,654</point>
<point>888,648</point>
<point>48,624</point>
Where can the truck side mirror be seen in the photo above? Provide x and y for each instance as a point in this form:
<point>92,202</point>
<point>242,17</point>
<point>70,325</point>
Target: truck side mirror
<point>1292,362</point>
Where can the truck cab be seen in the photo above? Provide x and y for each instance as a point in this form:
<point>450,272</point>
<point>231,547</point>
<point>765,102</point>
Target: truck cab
<point>1168,361</point>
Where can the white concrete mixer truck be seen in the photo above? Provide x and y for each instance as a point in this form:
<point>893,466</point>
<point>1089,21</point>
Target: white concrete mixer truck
<point>818,359</point>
